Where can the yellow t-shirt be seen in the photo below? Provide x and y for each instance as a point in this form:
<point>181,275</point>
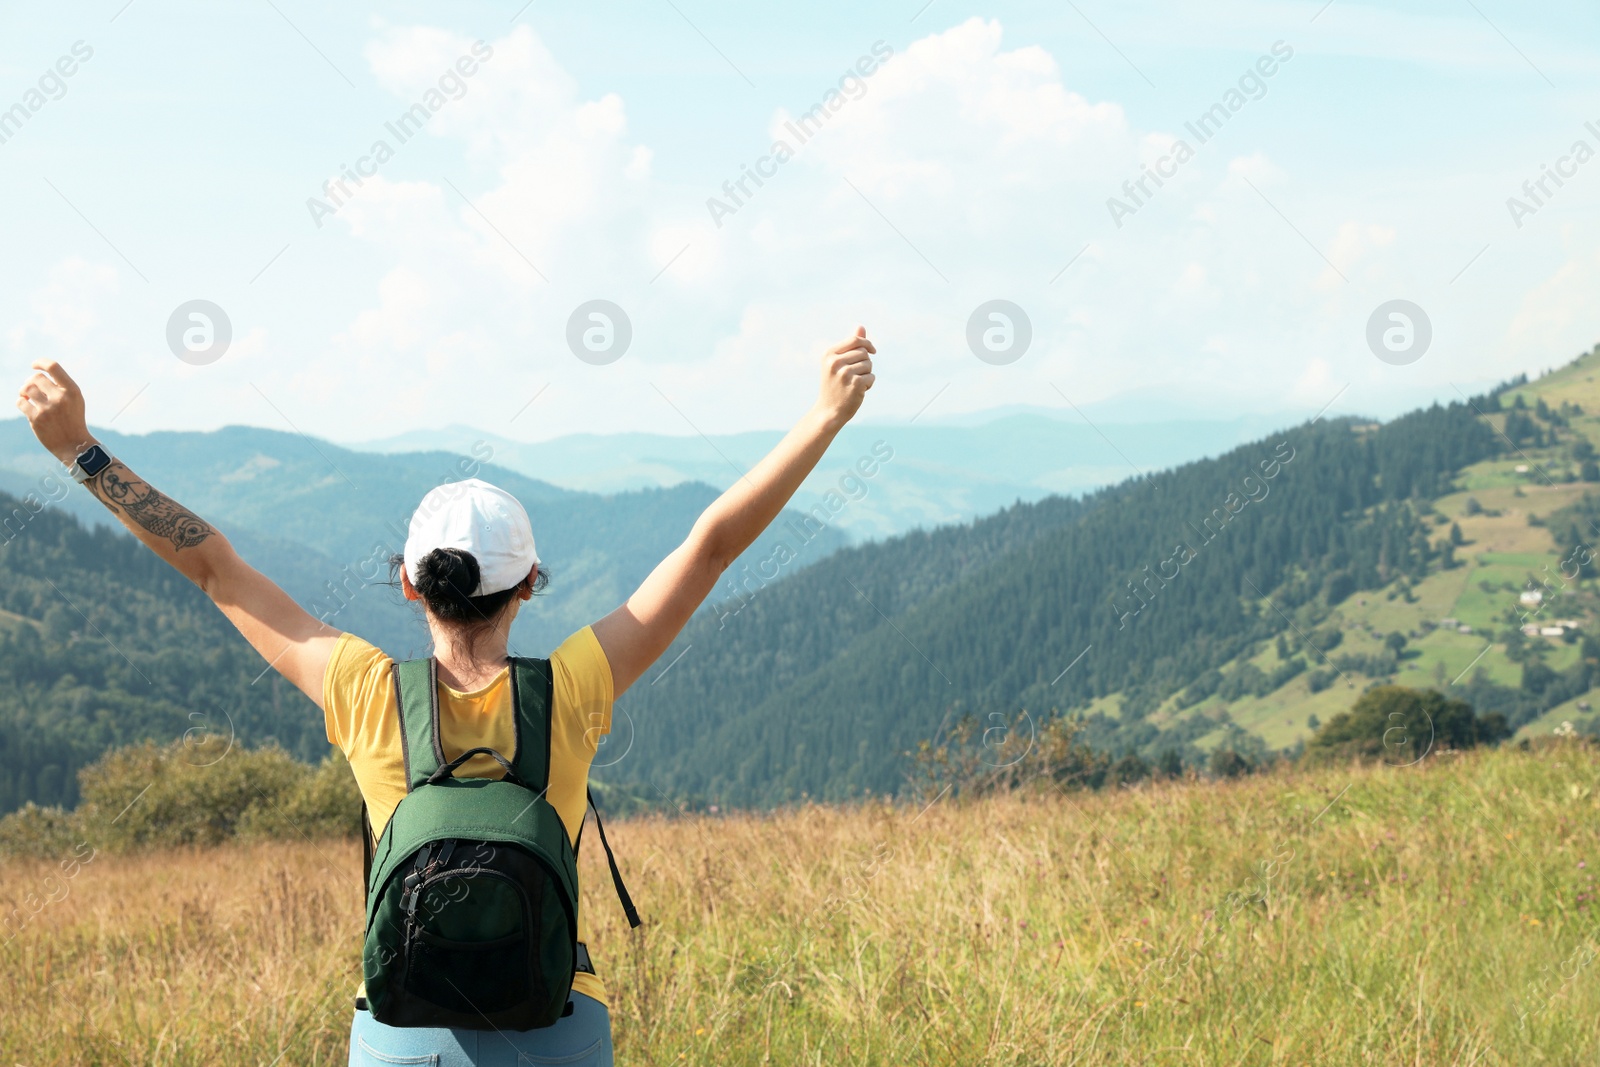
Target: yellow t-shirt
<point>363,719</point>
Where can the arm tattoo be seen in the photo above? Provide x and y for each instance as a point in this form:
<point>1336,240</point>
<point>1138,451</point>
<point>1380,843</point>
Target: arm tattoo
<point>121,490</point>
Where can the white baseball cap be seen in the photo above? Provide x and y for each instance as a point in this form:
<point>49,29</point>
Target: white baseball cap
<point>479,518</point>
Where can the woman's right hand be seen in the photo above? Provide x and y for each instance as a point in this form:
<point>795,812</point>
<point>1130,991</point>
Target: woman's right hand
<point>53,404</point>
<point>846,377</point>
<point>638,632</point>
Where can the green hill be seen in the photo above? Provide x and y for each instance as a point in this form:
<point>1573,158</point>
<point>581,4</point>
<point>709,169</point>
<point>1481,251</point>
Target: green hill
<point>316,517</point>
<point>1210,604</point>
<point>102,645</point>
<point>1234,602</point>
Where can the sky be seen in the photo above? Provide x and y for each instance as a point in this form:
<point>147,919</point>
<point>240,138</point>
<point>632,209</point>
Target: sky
<point>957,155</point>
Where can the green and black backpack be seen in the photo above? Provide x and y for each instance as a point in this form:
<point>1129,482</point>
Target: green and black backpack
<point>472,891</point>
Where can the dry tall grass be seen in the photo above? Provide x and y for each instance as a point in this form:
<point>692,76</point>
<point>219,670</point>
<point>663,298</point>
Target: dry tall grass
<point>1437,914</point>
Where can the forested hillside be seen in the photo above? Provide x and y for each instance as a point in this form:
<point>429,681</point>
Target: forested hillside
<point>823,681</point>
<point>102,644</point>
<point>321,520</point>
<point>1215,603</point>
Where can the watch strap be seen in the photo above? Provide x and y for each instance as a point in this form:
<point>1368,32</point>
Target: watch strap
<point>90,462</point>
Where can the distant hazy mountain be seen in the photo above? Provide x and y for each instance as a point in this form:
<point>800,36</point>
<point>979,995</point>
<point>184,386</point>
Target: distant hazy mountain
<point>941,471</point>
<point>319,519</point>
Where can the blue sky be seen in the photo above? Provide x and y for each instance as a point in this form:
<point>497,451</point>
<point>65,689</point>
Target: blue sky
<point>973,164</point>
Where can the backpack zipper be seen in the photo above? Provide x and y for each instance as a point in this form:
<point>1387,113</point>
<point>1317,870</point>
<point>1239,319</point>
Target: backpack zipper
<point>424,866</point>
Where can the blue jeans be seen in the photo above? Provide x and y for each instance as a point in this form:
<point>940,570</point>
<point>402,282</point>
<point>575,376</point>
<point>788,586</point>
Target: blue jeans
<point>582,1039</point>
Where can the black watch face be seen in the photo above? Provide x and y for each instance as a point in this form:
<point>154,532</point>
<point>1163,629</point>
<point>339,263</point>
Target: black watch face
<point>94,460</point>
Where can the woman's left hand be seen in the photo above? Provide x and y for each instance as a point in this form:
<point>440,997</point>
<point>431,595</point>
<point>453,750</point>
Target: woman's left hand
<point>54,406</point>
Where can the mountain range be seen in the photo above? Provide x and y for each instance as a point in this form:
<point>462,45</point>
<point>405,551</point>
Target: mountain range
<point>942,471</point>
<point>1224,602</point>
<point>821,683</point>
<point>322,521</point>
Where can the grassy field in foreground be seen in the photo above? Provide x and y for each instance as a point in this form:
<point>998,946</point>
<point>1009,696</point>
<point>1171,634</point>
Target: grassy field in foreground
<point>1435,914</point>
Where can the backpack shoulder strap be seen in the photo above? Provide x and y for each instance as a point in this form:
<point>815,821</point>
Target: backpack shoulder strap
<point>532,705</point>
<point>416,687</point>
<point>611,861</point>
<point>366,847</point>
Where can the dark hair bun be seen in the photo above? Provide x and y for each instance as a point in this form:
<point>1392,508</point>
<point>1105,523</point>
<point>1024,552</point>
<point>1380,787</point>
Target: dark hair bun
<point>446,579</point>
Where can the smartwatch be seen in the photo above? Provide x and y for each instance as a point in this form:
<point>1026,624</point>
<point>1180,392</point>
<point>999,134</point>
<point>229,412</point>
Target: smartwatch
<point>89,463</point>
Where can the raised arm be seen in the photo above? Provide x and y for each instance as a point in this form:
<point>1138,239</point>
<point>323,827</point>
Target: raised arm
<point>285,634</point>
<point>635,634</point>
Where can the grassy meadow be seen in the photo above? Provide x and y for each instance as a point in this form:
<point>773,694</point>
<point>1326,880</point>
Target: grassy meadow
<point>1442,913</point>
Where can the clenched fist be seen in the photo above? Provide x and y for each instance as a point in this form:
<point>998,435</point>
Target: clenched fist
<point>846,376</point>
<point>53,404</point>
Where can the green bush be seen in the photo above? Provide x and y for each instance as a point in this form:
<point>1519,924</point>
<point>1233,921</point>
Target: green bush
<point>1283,674</point>
<point>1401,725</point>
<point>35,831</point>
<point>1374,666</point>
<point>1325,638</point>
<point>1244,680</point>
<point>1338,586</point>
<point>1226,763</point>
<point>325,802</point>
<point>150,796</point>
<point>1021,753</point>
<point>1201,688</point>
<point>1129,769</point>
<point>145,795</point>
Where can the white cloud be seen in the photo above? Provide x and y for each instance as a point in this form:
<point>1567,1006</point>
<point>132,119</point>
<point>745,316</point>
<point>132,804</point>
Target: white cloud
<point>64,312</point>
<point>958,171</point>
<point>1315,384</point>
<point>961,170</point>
<point>1557,311</point>
<point>1356,242</point>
